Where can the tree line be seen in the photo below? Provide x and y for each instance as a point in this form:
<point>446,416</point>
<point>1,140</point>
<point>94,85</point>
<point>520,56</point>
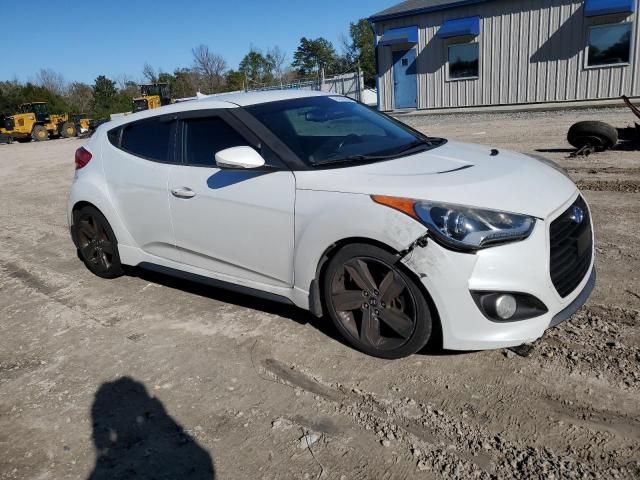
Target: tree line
<point>208,73</point>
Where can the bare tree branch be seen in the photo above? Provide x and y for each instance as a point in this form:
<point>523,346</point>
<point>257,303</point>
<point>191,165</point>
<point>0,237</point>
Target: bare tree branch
<point>51,80</point>
<point>278,58</point>
<point>149,73</point>
<point>80,97</point>
<point>210,66</point>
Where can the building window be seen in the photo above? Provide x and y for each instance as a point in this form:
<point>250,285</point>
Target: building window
<point>609,45</point>
<point>464,61</point>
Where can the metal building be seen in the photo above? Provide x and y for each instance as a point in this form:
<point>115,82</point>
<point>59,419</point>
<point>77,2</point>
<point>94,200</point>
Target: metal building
<point>458,53</point>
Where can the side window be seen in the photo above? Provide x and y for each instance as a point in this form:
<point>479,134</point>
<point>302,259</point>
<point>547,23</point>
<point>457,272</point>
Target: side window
<point>114,137</point>
<point>609,45</point>
<point>464,61</point>
<point>150,139</point>
<point>204,137</point>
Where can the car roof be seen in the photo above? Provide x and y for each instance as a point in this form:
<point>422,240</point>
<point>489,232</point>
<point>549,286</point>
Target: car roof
<point>244,99</point>
<point>217,101</point>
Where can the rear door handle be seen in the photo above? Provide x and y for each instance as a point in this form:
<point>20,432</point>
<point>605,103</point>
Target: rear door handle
<point>183,192</point>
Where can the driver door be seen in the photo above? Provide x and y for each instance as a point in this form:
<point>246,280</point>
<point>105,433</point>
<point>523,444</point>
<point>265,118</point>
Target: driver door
<point>237,224</point>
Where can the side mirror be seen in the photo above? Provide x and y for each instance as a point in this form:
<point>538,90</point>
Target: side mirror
<point>239,157</point>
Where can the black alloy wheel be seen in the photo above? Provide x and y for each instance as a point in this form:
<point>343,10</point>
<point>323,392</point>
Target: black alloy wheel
<point>375,304</point>
<point>97,245</point>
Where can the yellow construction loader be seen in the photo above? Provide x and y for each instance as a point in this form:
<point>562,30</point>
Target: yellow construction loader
<point>152,95</point>
<point>33,121</point>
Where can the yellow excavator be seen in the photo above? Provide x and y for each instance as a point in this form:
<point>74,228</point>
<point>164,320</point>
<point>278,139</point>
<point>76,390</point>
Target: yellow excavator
<point>152,95</point>
<point>33,121</point>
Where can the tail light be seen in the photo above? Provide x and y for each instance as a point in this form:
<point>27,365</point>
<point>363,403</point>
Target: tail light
<point>83,156</point>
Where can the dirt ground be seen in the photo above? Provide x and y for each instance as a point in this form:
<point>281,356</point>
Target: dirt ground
<point>150,377</point>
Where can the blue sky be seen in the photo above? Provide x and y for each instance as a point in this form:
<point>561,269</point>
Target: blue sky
<point>117,37</point>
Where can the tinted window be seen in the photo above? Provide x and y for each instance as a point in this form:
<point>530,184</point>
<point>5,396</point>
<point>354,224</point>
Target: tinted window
<point>148,139</point>
<point>464,61</point>
<point>349,123</point>
<point>114,137</point>
<point>328,129</point>
<point>609,44</point>
<point>204,137</point>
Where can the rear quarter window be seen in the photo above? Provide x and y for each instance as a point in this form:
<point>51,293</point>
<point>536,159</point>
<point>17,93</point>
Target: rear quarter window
<point>114,137</point>
<point>150,139</point>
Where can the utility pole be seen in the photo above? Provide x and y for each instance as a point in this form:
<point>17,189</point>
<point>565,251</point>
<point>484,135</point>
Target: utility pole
<point>358,82</point>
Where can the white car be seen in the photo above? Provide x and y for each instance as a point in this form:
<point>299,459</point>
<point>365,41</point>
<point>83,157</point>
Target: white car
<point>322,202</point>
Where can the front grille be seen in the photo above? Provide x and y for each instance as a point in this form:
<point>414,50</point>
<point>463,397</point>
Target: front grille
<point>9,123</point>
<point>140,104</point>
<point>571,248</point>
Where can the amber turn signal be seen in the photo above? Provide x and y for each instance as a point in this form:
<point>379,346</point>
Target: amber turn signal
<point>404,205</point>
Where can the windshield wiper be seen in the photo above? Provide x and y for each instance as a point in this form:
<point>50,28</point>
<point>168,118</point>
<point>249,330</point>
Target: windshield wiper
<point>373,158</point>
<point>414,144</point>
<point>354,159</point>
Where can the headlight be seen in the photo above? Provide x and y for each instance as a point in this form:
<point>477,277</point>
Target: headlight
<point>463,228</point>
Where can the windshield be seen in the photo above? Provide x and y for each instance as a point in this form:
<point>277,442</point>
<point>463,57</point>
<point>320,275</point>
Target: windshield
<point>148,90</point>
<point>323,130</point>
<point>40,109</point>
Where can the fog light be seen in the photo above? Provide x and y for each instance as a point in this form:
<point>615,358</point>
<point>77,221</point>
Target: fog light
<point>506,306</point>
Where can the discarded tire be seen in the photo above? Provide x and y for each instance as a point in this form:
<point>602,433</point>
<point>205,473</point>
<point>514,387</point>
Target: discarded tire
<point>598,135</point>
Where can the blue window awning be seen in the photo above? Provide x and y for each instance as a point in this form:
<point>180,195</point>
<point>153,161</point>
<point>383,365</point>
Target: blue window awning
<point>399,35</point>
<point>460,27</point>
<point>595,8</point>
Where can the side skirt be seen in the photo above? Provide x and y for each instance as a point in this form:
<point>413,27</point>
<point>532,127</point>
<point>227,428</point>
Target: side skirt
<point>215,283</point>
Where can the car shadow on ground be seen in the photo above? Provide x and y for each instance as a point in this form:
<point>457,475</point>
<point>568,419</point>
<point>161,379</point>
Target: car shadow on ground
<point>324,324</point>
<point>135,438</point>
<point>556,150</point>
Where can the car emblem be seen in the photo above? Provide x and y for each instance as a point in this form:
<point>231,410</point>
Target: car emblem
<point>577,215</point>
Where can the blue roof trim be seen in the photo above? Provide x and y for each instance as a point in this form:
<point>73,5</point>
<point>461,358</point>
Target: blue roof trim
<point>394,36</point>
<point>460,27</point>
<point>417,11</point>
<point>595,8</point>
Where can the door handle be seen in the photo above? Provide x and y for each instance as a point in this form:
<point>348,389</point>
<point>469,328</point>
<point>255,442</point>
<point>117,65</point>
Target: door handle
<point>183,192</point>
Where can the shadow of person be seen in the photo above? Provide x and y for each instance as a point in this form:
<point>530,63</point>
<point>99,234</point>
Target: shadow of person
<point>135,438</point>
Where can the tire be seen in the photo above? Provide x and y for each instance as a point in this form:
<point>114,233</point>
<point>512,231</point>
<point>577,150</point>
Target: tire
<point>375,303</point>
<point>598,135</point>
<point>68,130</point>
<point>97,244</point>
<point>39,133</point>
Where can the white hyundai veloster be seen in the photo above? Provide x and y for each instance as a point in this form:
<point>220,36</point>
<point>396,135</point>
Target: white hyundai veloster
<point>316,200</point>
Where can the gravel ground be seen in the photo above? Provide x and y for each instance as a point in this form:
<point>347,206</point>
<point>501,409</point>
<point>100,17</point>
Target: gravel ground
<point>150,377</point>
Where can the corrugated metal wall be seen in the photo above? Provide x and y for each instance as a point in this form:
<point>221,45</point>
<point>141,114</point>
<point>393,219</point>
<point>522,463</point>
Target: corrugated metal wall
<point>530,51</point>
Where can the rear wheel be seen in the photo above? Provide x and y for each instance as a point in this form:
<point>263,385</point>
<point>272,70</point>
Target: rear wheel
<point>97,244</point>
<point>39,133</point>
<point>598,135</point>
<point>375,304</point>
<point>68,130</point>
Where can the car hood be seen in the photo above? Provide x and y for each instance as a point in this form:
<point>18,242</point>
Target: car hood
<point>457,173</point>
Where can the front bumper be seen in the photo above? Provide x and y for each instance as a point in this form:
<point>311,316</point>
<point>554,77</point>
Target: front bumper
<point>521,267</point>
<point>580,300</point>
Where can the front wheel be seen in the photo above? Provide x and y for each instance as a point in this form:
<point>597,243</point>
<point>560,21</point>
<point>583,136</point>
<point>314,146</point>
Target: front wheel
<point>375,304</point>
<point>39,133</point>
<point>97,244</point>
